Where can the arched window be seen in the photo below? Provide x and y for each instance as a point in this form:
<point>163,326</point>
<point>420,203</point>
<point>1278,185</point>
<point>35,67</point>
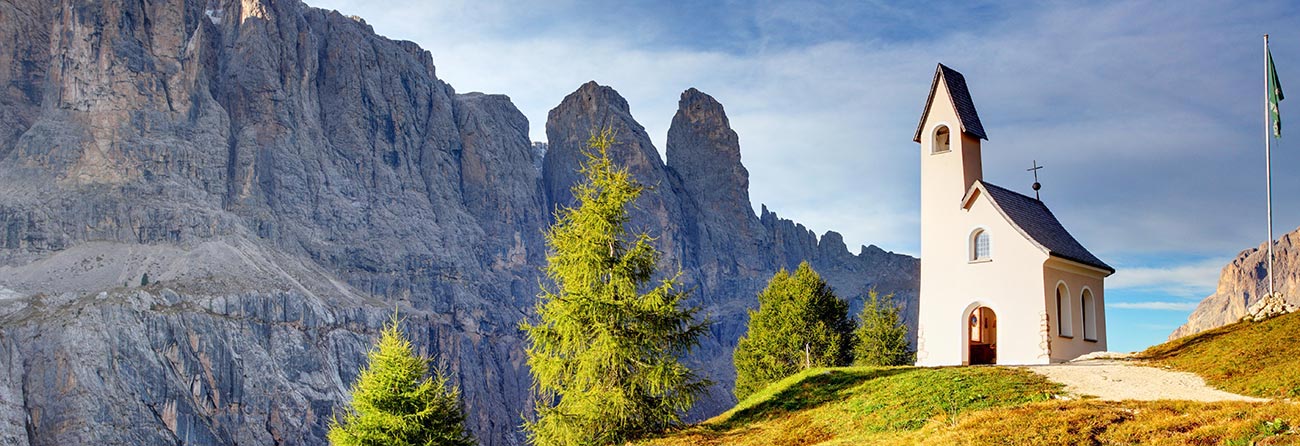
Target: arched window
<point>1064,318</point>
<point>1089,315</point>
<point>979,245</point>
<point>941,137</point>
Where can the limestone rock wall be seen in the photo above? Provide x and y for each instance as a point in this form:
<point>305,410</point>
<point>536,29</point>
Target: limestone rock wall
<point>286,178</point>
<point>1244,282</point>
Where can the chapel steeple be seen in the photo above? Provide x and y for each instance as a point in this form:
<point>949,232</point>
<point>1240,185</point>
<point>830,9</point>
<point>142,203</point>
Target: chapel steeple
<point>950,127</point>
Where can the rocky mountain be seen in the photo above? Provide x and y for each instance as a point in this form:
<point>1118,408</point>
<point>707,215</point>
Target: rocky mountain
<point>286,178</point>
<point>1244,281</point>
<point>698,208</point>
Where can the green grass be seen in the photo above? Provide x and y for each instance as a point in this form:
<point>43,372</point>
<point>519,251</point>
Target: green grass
<point>864,404</point>
<point>1251,358</point>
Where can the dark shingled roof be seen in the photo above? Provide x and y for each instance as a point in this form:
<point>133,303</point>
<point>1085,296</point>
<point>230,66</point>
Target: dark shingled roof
<point>961,101</point>
<point>1033,217</point>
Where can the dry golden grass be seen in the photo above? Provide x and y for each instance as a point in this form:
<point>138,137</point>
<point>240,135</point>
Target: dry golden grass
<point>1122,423</point>
<point>1251,358</point>
<point>1086,422</point>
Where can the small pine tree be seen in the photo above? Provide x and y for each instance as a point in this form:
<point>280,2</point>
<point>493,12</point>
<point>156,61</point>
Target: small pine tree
<point>144,280</point>
<point>882,337</point>
<point>395,402</point>
<point>606,344</point>
<point>799,323</point>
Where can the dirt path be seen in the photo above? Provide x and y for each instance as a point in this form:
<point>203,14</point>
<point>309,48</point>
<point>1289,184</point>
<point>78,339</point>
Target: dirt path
<point>1117,380</point>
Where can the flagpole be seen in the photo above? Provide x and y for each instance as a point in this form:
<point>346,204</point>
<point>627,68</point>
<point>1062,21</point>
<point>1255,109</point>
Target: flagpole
<point>1268,167</point>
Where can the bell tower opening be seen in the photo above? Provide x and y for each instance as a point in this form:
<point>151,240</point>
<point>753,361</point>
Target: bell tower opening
<point>942,140</point>
<point>983,345</point>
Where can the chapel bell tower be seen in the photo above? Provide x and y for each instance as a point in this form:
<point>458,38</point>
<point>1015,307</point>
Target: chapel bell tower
<point>950,134</point>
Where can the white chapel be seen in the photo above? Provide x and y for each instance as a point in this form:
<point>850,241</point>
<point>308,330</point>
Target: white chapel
<point>1002,282</point>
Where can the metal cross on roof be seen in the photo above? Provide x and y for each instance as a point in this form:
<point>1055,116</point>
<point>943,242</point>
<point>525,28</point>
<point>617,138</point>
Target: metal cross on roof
<point>1037,186</point>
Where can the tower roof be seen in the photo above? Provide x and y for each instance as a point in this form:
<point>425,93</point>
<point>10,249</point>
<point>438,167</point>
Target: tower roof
<point>1037,222</point>
<point>970,119</point>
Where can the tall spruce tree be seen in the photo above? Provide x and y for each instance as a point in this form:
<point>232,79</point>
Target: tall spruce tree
<point>606,341</point>
<point>799,323</point>
<point>396,403</point>
<point>881,336</point>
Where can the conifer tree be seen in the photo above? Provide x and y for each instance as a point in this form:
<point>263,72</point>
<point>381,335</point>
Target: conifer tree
<point>799,323</point>
<point>396,403</point>
<point>882,337</point>
<point>606,341</point>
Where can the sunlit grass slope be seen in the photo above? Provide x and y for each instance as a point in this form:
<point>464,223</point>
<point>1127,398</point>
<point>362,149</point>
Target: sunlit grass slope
<point>1251,358</point>
<point>862,405</point>
<point>973,406</point>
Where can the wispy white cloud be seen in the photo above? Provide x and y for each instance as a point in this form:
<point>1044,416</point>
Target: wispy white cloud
<point>1164,306</point>
<point>1145,114</point>
<point>1193,280</point>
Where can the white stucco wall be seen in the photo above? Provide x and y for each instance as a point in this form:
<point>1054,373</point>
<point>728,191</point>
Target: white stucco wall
<point>1076,279</point>
<point>1010,283</point>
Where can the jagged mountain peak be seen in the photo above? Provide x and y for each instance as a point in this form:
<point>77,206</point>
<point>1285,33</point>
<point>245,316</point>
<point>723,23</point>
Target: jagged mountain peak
<point>701,134</point>
<point>592,94</point>
<point>569,125</point>
<point>696,105</point>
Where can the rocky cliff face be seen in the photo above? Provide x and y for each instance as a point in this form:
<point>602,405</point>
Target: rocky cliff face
<point>285,177</point>
<point>1244,281</point>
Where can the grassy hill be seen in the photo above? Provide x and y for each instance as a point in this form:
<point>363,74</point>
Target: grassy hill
<point>1258,359</point>
<point>1001,406</point>
<point>860,405</point>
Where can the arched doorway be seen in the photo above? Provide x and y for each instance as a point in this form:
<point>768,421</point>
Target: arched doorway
<point>983,345</point>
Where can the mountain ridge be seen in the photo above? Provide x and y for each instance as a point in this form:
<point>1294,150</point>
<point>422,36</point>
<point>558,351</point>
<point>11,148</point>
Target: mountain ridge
<point>287,178</point>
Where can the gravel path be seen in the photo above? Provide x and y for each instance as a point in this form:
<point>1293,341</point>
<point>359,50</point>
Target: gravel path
<point>1117,380</point>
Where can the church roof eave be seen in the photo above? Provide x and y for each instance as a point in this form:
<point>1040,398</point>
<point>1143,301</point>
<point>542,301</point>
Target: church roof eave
<point>1037,224</point>
<point>959,95</point>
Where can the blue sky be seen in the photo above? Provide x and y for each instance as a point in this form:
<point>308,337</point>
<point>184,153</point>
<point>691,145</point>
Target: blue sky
<point>1147,115</point>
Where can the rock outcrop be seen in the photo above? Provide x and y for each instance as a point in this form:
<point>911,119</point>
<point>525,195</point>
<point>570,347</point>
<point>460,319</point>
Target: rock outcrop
<point>568,127</point>
<point>1244,283</point>
<point>1271,306</point>
<point>286,178</point>
<point>723,235</point>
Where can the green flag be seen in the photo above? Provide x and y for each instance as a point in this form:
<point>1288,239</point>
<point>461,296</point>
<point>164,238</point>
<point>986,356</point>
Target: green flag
<point>1274,96</point>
